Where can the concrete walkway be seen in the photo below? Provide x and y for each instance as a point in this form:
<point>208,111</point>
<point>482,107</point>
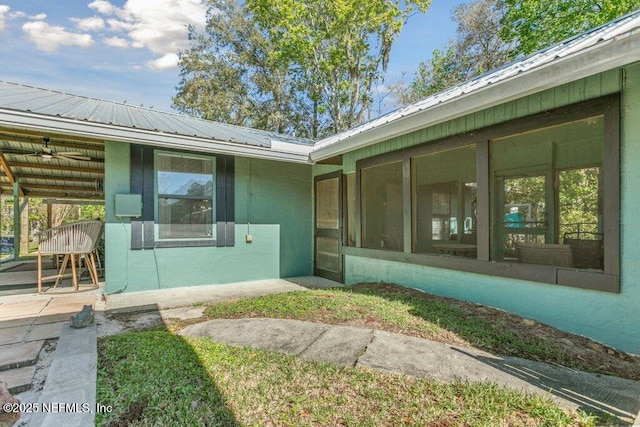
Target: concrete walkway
<point>71,378</point>
<point>401,354</point>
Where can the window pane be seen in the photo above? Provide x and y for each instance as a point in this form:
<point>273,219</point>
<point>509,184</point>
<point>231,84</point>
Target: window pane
<point>382,212</point>
<point>524,213</point>
<point>327,204</point>
<point>185,218</point>
<point>186,207</point>
<point>580,204</point>
<point>351,209</point>
<point>185,176</point>
<point>580,221</point>
<point>446,199</point>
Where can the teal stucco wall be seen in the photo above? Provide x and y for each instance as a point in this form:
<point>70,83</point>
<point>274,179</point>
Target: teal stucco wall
<point>272,203</point>
<point>611,318</point>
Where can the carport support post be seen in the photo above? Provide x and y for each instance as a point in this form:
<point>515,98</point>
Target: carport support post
<point>16,220</point>
<point>24,226</point>
<point>20,222</point>
<point>48,214</point>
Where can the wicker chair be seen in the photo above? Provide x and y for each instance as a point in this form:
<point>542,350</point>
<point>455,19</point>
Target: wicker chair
<point>74,241</point>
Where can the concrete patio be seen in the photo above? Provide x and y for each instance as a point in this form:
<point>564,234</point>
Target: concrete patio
<point>30,329</point>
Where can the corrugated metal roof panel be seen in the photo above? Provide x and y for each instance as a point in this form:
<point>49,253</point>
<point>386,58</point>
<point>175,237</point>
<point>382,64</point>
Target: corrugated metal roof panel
<point>51,103</point>
<point>612,30</point>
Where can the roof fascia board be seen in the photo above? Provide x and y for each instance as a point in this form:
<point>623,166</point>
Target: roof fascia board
<point>602,57</point>
<point>27,120</point>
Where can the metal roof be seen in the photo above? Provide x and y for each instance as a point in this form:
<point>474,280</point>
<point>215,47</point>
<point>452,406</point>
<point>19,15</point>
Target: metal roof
<point>616,44</point>
<point>47,102</point>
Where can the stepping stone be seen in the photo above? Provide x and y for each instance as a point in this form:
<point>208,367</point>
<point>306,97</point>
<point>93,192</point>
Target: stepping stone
<point>13,335</point>
<point>183,313</point>
<point>23,308</point>
<point>342,345</point>
<point>46,331</point>
<point>19,379</point>
<point>270,334</point>
<point>53,318</point>
<point>12,323</point>
<point>19,355</point>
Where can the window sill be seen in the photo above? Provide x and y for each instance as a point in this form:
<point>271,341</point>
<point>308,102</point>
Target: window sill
<point>583,279</point>
<point>184,243</point>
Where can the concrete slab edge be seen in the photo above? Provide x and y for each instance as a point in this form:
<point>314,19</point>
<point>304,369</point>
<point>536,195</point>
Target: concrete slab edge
<point>70,402</point>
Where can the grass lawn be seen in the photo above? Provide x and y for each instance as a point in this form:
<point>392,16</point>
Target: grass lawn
<point>158,378</point>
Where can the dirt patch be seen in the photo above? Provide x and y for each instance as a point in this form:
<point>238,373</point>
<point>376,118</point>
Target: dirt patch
<point>42,366</point>
<point>129,322</point>
<point>134,413</point>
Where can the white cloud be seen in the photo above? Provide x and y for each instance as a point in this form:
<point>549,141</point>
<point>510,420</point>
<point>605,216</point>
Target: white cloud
<point>4,9</point>
<point>21,14</point>
<point>93,23</point>
<point>6,14</point>
<point>165,62</point>
<point>117,42</point>
<point>160,26</point>
<point>49,37</point>
<point>119,26</point>
<point>103,6</point>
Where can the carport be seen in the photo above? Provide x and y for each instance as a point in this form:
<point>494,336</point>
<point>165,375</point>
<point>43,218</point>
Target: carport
<point>59,169</point>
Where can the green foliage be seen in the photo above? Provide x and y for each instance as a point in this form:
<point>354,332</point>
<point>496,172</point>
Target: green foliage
<point>227,75</point>
<point>292,66</point>
<point>442,71</point>
<point>60,214</point>
<point>6,216</point>
<point>523,190</point>
<point>477,48</point>
<point>579,200</point>
<point>541,23</point>
<point>492,32</point>
<point>173,389</point>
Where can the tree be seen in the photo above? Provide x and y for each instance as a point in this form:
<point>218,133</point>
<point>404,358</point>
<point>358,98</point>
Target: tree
<point>338,49</point>
<point>476,49</point>
<point>479,39</point>
<point>538,24</point>
<point>443,70</point>
<point>227,75</point>
<point>296,66</point>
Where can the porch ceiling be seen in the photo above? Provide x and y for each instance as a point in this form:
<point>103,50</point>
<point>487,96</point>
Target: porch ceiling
<point>23,159</point>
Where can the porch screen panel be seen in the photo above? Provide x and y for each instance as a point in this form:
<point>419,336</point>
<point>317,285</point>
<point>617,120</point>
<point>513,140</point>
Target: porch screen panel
<point>548,191</point>
<point>326,250</point>
<point>350,198</point>
<point>382,209</point>
<point>445,194</point>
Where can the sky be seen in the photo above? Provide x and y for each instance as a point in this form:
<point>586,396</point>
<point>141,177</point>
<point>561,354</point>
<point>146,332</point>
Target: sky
<point>127,50</point>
